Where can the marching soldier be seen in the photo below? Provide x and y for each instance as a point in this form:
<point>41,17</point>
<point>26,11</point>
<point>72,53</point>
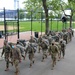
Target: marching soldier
<point>44,47</point>
<point>16,57</point>
<point>59,49</point>
<point>30,52</point>
<point>65,37</point>
<point>62,44</point>
<point>21,47</point>
<point>53,50</point>
<point>39,42</point>
<point>6,51</point>
<point>32,40</point>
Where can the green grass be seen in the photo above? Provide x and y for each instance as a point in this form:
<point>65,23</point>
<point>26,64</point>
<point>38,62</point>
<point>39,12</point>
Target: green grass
<point>36,25</point>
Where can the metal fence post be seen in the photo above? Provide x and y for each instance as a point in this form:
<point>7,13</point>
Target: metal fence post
<point>31,23</point>
<point>18,30</point>
<point>57,25</point>
<point>41,23</point>
<point>5,27</point>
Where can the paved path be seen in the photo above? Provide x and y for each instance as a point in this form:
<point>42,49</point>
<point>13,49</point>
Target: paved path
<point>64,67</point>
<point>13,38</point>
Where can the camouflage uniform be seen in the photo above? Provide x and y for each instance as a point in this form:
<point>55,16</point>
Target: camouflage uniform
<point>6,51</point>
<point>44,49</point>
<point>32,40</point>
<point>65,37</point>
<point>39,42</point>
<point>21,47</point>
<point>16,56</point>
<point>59,49</point>
<point>62,48</point>
<point>53,50</point>
<point>30,52</point>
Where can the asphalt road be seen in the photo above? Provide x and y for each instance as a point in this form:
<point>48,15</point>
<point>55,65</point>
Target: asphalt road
<point>65,66</point>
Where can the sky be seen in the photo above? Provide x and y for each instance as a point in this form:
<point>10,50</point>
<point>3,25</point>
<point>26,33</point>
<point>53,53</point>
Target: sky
<point>9,4</point>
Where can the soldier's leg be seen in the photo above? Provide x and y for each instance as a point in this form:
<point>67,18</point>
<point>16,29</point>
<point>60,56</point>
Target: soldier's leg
<point>59,55</point>
<point>7,64</point>
<point>30,58</point>
<point>63,51</point>
<point>66,41</point>
<point>39,49</point>
<point>16,63</point>
<point>55,60</point>
<point>23,57</point>
<point>43,56</point>
<point>33,58</point>
<point>52,62</point>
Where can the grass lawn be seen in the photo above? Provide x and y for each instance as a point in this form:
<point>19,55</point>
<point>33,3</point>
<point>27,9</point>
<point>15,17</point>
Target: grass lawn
<point>36,25</point>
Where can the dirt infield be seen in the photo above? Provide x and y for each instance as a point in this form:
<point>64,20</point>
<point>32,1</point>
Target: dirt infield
<point>8,27</point>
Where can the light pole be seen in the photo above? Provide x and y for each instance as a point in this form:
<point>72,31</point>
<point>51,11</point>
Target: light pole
<point>17,4</point>
<point>31,22</point>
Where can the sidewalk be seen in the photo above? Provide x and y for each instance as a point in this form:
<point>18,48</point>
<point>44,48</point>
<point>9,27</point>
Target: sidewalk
<point>13,38</point>
<point>65,66</point>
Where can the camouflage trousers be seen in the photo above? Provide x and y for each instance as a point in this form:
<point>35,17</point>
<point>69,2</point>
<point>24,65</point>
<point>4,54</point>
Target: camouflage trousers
<point>7,60</point>
<point>63,52</point>
<point>53,57</point>
<point>44,54</point>
<point>58,55</point>
<point>16,64</point>
<point>66,41</point>
<point>31,58</point>
<point>39,48</point>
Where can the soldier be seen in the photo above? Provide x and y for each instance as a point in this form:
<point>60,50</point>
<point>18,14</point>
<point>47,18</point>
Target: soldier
<point>39,42</point>
<point>63,45</point>
<point>56,37</point>
<point>59,49</point>
<point>44,47</point>
<point>21,47</point>
<point>16,56</point>
<point>6,51</point>
<point>30,51</point>
<point>32,40</point>
<point>53,50</point>
<point>65,37</point>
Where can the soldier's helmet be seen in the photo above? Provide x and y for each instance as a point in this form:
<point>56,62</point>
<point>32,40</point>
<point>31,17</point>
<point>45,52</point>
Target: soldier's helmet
<point>61,40</point>
<point>53,42</point>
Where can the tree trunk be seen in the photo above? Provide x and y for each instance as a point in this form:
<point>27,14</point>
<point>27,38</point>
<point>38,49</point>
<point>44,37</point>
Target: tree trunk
<point>71,19</point>
<point>46,16</point>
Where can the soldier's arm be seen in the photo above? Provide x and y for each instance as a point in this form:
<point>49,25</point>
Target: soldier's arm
<point>19,53</point>
<point>57,49</point>
<point>3,51</point>
<point>49,50</point>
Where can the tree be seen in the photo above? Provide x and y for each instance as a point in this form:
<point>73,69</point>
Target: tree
<point>46,5</point>
<point>71,6</point>
<point>21,14</point>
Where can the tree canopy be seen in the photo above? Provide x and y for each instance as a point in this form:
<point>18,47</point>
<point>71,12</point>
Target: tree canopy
<point>56,6</point>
